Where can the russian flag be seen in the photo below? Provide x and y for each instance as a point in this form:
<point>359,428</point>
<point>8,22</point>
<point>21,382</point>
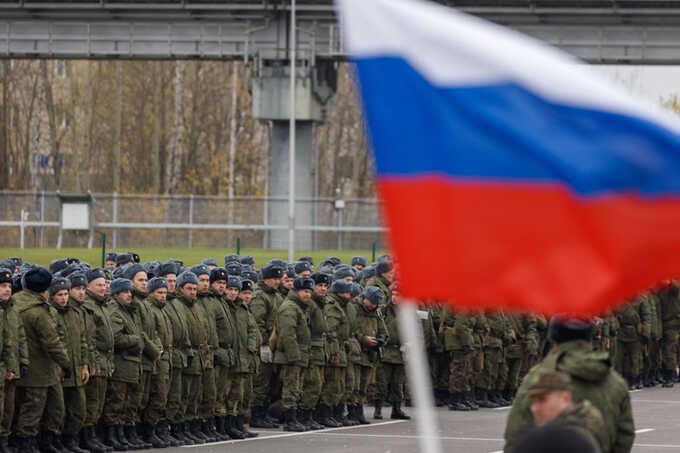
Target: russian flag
<point>511,176</point>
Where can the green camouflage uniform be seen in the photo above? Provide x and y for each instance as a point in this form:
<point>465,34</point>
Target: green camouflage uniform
<point>457,331</point>
<point>253,346</point>
<point>391,375</point>
<point>160,380</point>
<point>263,306</point>
<point>178,357</point>
<point>670,317</point>
<point>242,357</point>
<point>338,336</point>
<point>17,356</point>
<point>365,323</point>
<point>635,327</point>
<point>313,375</point>
<point>522,350</point>
<point>208,402</point>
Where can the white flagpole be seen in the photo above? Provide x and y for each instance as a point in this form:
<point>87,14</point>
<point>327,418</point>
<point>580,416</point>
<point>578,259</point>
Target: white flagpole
<point>420,383</point>
<point>291,138</point>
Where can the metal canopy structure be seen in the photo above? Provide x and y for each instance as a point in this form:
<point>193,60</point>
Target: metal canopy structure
<point>622,32</point>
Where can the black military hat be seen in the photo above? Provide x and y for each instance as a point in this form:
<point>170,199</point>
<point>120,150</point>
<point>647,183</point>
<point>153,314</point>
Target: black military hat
<point>247,285</point>
<point>361,260</point>
<point>72,260</point>
<point>130,271</point>
<point>178,262</point>
<point>218,274</point>
<point>302,266</point>
<point>5,275</point>
<point>563,328</point>
<point>59,284</point>
<point>111,256</point>
<point>135,257</point>
<point>367,272</point>
<point>321,278</point>
<point>272,271</point>
<point>309,259</point>
<point>124,258</point>
<point>234,282</point>
<point>151,269</point>
<point>210,262</point>
<point>37,279</point>
<point>95,273</point>
<point>200,269</point>
<point>77,279</point>
<point>58,265</point>
<point>233,268</point>
<point>249,274</point>
<point>247,259</point>
<point>167,268</point>
<point>301,283</point>
<point>375,295</point>
<point>231,258</point>
<point>277,262</point>
<point>384,265</point>
<point>341,286</point>
<point>290,271</point>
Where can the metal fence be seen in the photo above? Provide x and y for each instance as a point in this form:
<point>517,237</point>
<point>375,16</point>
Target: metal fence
<point>188,221</point>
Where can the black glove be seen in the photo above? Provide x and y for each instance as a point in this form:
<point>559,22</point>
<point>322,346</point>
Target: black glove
<point>67,372</point>
<point>190,359</point>
<point>654,337</point>
<point>644,340</point>
<point>467,349</point>
<point>23,371</point>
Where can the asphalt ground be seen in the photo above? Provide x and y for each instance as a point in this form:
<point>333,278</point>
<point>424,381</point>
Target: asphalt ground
<point>656,412</point>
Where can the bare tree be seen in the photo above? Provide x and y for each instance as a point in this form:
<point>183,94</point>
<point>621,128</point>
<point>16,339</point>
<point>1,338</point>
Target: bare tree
<point>115,165</point>
<point>174,161</point>
<point>156,133</point>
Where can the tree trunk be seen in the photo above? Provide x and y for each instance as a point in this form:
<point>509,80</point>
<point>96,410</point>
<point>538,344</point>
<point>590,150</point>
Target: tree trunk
<point>4,139</point>
<point>76,156</point>
<point>232,127</point>
<point>156,132</point>
<point>84,167</point>
<point>52,122</point>
<point>116,131</point>
<point>174,161</point>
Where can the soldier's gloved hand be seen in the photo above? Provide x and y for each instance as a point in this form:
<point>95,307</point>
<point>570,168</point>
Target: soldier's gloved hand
<point>67,373</point>
<point>23,371</point>
<point>467,349</point>
<point>654,337</point>
<point>644,339</point>
<point>190,359</point>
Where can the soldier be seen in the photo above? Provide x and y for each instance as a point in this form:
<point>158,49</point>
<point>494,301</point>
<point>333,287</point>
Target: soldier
<point>199,355</point>
<point>633,332</point>
<point>110,260</point>
<point>313,375</point>
<point>154,431</point>
<point>253,344</point>
<point>384,276</point>
<point>224,352</point>
<point>670,318</point>
<point>152,347</point>
<point>47,353</point>
<point>17,355</point>
<point>500,336</point>
<point>522,350</point>
<point>207,405</point>
<point>100,334</point>
<point>263,307</point>
<point>169,272</point>
<point>592,378</point>
<point>303,269</point>
<point>457,338</point>
<point>359,262</point>
<point>287,281</point>
<point>71,325</point>
<point>369,329</point>
<point>391,376</point>
<point>292,348</point>
<point>123,385</point>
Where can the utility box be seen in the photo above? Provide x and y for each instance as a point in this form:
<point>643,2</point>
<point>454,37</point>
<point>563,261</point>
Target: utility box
<point>75,213</point>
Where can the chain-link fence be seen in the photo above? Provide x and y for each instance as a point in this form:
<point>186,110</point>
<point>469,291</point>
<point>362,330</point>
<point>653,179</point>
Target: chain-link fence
<point>189,221</point>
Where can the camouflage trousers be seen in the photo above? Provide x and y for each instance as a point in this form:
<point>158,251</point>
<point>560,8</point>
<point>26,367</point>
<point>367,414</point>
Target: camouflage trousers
<point>351,382</point>
<point>191,396</point>
<point>173,407</point>
<point>390,382</point>
<point>32,404</point>
<point>262,385</point>
<point>8,413</point>
<point>234,396</point>
<point>333,392</point>
<point>459,372</point>
<point>95,397</point>
<point>671,347</point>
<point>651,357</point>
<point>75,410</point>
<point>364,377</point>
<point>207,407</point>
<point>158,398</point>
<point>489,377</point>
<point>514,365</point>
<point>141,397</point>
<point>630,353</point>
<point>312,383</point>
<point>291,378</point>
<point>120,406</point>
<point>53,417</point>
<point>247,401</point>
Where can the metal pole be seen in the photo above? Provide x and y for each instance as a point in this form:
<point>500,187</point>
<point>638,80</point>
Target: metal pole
<point>291,143</point>
<point>42,218</point>
<point>191,220</point>
<point>103,249</point>
<point>21,227</point>
<point>419,377</point>
<point>115,219</point>
<point>339,231</point>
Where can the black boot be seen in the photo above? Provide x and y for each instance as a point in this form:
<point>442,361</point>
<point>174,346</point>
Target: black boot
<point>71,443</point>
<point>509,396</point>
<point>220,427</point>
<point>204,428</point>
<point>668,379</point>
<point>57,443</point>
<point>4,445</point>
<point>339,415</point>
<point>456,403</point>
<point>150,437</point>
<point>495,398</point>
<point>325,417</point>
<point>231,427</point>
<point>111,438</point>
<point>469,399</point>
<point>122,439</point>
<point>27,445</point>
<point>484,401</point>
<point>240,425</point>
<point>134,440</point>
<point>397,413</point>
<point>258,419</point>
<point>48,443</point>
<point>359,415</point>
<point>92,439</point>
<point>195,427</point>
<point>439,398</point>
<point>291,422</point>
<point>179,434</point>
<point>163,431</point>
<point>377,412</point>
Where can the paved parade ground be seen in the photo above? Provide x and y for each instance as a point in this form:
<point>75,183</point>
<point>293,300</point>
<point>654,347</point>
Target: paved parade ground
<point>657,420</point>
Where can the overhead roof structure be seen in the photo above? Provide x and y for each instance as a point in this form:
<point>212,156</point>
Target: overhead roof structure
<point>637,32</point>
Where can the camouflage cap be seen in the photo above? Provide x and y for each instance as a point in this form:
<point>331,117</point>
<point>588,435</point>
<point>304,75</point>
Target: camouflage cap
<point>550,381</point>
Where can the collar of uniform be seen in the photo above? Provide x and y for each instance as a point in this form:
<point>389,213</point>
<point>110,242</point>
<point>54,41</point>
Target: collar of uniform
<point>97,299</point>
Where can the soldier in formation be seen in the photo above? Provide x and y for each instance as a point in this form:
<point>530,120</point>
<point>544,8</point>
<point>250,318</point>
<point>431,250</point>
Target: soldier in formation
<point>157,354</point>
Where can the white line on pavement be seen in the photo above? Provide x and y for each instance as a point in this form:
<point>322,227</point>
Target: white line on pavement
<point>305,433</point>
<point>405,436</point>
<point>635,400</point>
<point>657,445</point>
<point>501,408</point>
<point>499,451</point>
<point>644,430</point>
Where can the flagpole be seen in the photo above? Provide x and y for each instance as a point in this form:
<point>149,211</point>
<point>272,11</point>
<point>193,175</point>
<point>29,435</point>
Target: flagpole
<point>419,379</point>
<point>291,139</point>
